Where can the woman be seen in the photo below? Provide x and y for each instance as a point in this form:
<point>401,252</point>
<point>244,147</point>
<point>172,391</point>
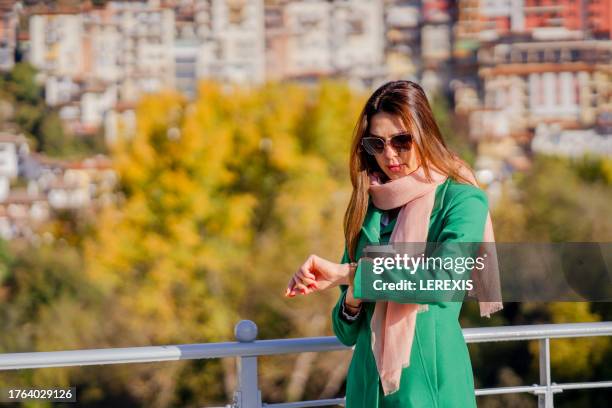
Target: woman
<point>407,187</point>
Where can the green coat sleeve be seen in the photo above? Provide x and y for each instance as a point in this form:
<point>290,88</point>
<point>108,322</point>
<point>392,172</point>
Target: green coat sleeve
<point>463,223</point>
<point>346,331</point>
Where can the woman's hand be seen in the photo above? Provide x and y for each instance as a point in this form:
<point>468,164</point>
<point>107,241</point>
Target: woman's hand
<point>317,274</point>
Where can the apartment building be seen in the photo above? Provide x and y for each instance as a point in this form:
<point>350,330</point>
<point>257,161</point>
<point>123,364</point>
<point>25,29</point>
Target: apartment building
<point>144,57</point>
<point>436,44</point>
<point>56,46</point>
<point>357,34</point>
<point>526,84</point>
<point>402,25</point>
<point>314,38</point>
<point>187,45</point>
<point>237,41</point>
<point>91,58</point>
<point>489,20</point>
<point>309,44</point>
<point>9,23</point>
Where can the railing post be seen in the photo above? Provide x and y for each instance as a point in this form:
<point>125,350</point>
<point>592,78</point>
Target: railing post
<point>545,399</point>
<point>248,394</point>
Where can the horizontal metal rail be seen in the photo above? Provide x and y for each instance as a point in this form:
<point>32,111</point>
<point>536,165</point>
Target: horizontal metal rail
<point>533,389</point>
<point>42,359</point>
<point>537,331</point>
<point>246,349</point>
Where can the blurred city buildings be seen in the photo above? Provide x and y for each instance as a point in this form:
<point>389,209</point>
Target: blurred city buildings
<point>41,184</point>
<point>527,75</point>
<point>508,64</point>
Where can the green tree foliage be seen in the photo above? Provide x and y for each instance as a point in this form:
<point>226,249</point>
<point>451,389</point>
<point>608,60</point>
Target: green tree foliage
<point>46,306</point>
<point>453,128</point>
<point>20,83</point>
<point>561,200</point>
<point>41,123</point>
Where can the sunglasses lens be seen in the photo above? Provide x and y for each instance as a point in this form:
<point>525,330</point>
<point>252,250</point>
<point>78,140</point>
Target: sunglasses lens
<point>373,145</point>
<point>401,142</point>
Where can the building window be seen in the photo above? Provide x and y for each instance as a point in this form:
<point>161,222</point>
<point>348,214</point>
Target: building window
<point>235,13</point>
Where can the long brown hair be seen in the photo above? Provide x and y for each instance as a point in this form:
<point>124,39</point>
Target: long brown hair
<point>408,101</point>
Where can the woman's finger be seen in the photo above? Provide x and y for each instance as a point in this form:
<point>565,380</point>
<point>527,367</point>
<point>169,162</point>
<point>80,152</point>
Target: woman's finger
<point>305,279</point>
<point>309,283</point>
<point>300,288</point>
<point>306,270</point>
<point>306,274</point>
<point>290,292</point>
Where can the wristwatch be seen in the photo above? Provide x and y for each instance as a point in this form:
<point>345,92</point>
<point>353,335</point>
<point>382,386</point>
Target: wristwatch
<point>351,276</point>
<point>349,312</point>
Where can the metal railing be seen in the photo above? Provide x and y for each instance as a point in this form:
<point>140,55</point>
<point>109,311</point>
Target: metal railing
<point>246,349</point>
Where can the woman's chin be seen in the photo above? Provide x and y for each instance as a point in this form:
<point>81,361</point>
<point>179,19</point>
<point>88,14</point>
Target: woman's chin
<point>394,175</point>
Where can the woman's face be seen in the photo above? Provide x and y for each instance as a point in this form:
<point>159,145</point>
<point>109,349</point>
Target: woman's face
<point>394,163</point>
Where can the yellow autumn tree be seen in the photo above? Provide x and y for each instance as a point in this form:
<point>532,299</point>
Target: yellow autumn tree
<point>223,198</point>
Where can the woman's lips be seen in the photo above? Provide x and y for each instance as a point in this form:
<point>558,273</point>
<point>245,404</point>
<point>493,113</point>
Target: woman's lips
<point>395,168</point>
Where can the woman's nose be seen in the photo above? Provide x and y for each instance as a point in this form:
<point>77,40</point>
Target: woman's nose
<point>389,151</point>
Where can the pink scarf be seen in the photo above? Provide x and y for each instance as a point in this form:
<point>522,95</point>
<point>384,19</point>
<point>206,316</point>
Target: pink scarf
<point>393,324</point>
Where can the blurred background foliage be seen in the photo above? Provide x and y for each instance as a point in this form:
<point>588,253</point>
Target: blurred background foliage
<point>221,199</point>
<point>22,102</point>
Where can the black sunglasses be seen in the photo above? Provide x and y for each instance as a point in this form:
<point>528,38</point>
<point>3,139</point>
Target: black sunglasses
<point>376,145</point>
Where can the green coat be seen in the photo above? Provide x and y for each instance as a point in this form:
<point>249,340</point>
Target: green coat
<point>440,372</point>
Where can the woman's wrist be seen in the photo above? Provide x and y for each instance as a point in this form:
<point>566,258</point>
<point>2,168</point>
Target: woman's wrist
<point>347,273</point>
<point>351,312</point>
<point>352,308</point>
<point>350,301</point>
